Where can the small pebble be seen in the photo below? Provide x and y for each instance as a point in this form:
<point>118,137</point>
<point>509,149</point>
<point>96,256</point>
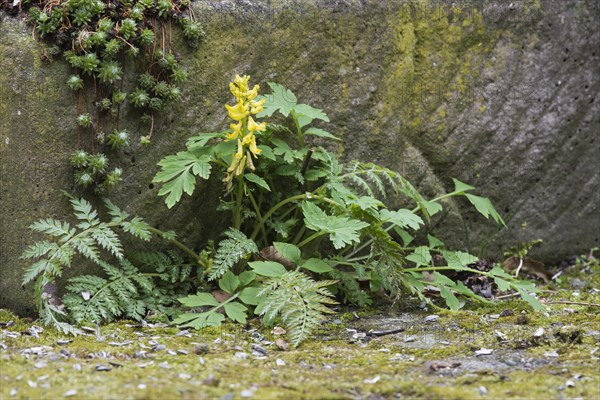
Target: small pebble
<point>279,362</point>
<point>373,380</point>
<point>482,390</point>
<point>103,368</point>
<point>172,352</point>
<point>159,347</point>
<point>278,331</point>
<point>570,383</point>
<point>77,367</point>
<point>70,393</point>
<point>62,342</point>
<point>246,393</point>
<point>141,386</point>
<point>259,349</point>
<point>164,365</point>
<point>409,339</point>
<point>539,332</point>
<point>184,352</point>
<point>228,396</point>
<point>184,376</point>
<point>211,381</point>
<point>241,355</point>
<point>13,392</point>
<point>431,318</point>
<point>484,352</point>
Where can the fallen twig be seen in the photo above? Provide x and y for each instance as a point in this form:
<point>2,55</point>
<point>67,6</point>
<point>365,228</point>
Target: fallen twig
<point>578,303</point>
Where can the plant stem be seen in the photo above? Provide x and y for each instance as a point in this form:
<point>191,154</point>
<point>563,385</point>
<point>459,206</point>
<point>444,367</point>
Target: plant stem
<point>305,196</point>
<point>237,213</point>
<point>311,238</point>
<point>177,243</point>
<point>298,129</point>
<point>258,214</point>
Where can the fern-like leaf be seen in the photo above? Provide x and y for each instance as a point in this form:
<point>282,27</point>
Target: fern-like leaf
<point>236,247</point>
<point>138,228</point>
<point>298,300</point>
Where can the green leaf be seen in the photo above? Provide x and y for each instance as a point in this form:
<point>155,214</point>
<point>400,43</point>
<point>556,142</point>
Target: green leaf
<point>246,278</point>
<point>229,282</point>
<point>321,133</point>
<point>406,237</point>
<point>420,256</point>
<point>401,218</point>
<point>306,114</point>
<point>267,268</point>
<point>257,180</point>
<point>432,207</point>
<point>367,203</point>
<point>458,259</point>
<point>199,300</point>
<point>209,318</point>
<point>281,99</point>
<point>201,139</point>
<point>267,152</point>
<point>316,265</point>
<point>461,186</point>
<point>450,298</point>
<point>443,279</point>
<point>434,242</point>
<point>289,251</point>
<point>503,285</point>
<point>342,230</point>
<point>178,172</point>
<point>236,311</point>
<point>485,207</point>
<point>249,295</point>
<point>533,302</point>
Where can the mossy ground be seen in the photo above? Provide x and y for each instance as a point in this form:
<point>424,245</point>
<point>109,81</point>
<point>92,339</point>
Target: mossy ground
<point>430,360</point>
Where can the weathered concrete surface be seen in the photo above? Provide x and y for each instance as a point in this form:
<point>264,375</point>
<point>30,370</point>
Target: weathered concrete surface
<point>500,96</point>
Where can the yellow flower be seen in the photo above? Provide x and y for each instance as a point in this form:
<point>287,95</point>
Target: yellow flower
<point>249,162</point>
<point>253,148</point>
<point>236,128</point>
<point>240,150</point>
<point>241,81</point>
<point>241,166</point>
<point>245,126</point>
<point>257,106</point>
<point>250,95</point>
<point>253,126</point>
<point>237,112</point>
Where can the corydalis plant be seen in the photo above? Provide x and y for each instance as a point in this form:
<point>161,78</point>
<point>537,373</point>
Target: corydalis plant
<point>320,223</point>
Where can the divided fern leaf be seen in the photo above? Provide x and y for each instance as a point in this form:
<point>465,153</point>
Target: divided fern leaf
<point>236,247</point>
<point>298,300</point>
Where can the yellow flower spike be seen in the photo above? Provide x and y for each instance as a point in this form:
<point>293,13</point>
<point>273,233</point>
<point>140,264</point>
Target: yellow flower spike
<point>257,106</point>
<point>253,126</point>
<point>253,148</point>
<point>237,112</point>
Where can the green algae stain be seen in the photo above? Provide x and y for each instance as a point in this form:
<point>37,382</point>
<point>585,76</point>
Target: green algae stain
<point>439,52</point>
